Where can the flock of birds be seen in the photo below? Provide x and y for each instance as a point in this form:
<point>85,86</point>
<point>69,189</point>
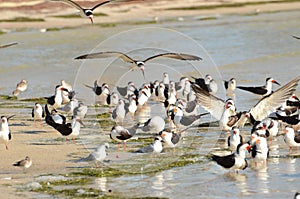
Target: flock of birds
<point>181,101</point>
<point>276,110</point>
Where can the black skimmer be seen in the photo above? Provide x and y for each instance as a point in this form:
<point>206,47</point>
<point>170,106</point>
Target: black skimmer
<point>155,147</point>
<point>297,194</point>
<point>260,151</point>
<point>8,45</point>
<point>38,113</point>
<point>66,129</point>
<point>139,63</point>
<point>21,87</point>
<point>208,84</point>
<point>170,138</point>
<point>112,99</point>
<point>54,116</point>
<point>132,106</point>
<point>261,90</point>
<point>119,112</point>
<point>290,106</point>
<point>122,134</point>
<point>56,100</point>
<point>291,120</point>
<point>24,163</point>
<point>98,155</point>
<point>296,37</point>
<point>156,124</point>
<point>230,85</point>
<point>179,119</point>
<point>5,134</point>
<point>187,107</point>
<point>258,112</point>
<point>235,161</point>
<point>292,138</point>
<point>83,11</point>
<point>234,139</point>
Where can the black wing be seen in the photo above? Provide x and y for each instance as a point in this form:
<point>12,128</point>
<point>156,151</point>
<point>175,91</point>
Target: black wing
<point>124,135</point>
<point>226,84</point>
<point>225,161</point>
<point>32,112</point>
<point>122,90</point>
<point>297,137</point>
<point>175,138</point>
<point>260,90</point>
<point>179,56</point>
<point>123,56</point>
<point>100,4</point>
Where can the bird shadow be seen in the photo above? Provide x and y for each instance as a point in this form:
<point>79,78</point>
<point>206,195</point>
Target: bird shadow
<point>34,132</point>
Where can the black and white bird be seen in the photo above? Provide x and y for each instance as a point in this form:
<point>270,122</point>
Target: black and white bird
<point>121,134</point>
<point>170,138</point>
<point>83,11</point>
<point>207,83</point>
<point>292,138</point>
<point>258,112</point>
<point>234,139</point>
<point>230,85</point>
<point>66,129</point>
<point>56,100</point>
<point>155,147</point>
<point>38,113</point>
<point>5,134</point>
<point>297,194</point>
<point>260,151</point>
<point>264,90</point>
<point>24,163</point>
<point>138,63</point>
<point>235,161</point>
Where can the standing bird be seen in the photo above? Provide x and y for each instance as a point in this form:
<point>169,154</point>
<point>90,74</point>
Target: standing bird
<point>230,85</point>
<point>120,134</point>
<point>25,163</point>
<point>138,63</point>
<point>98,155</point>
<point>155,147</point>
<point>260,151</point>
<point>170,138</point>
<point>261,90</point>
<point>21,87</point>
<point>83,11</point>
<point>38,113</point>
<point>156,124</point>
<point>80,111</point>
<point>234,139</point>
<point>291,138</point>
<point>5,134</point>
<point>236,160</point>
<point>119,112</point>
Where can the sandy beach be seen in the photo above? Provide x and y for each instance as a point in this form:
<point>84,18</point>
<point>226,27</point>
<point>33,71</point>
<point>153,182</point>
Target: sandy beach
<point>52,156</point>
<point>124,12</point>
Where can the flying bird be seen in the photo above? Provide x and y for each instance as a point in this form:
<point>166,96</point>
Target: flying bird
<point>138,63</point>
<point>83,11</point>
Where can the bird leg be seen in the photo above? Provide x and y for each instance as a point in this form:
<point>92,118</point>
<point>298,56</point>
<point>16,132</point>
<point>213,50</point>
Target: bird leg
<point>6,146</point>
<point>291,150</point>
<point>124,145</point>
<point>118,145</point>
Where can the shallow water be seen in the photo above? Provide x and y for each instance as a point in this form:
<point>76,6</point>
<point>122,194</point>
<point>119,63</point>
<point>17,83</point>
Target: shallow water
<point>249,48</point>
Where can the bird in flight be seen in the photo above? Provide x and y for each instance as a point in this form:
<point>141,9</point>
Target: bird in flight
<point>84,12</point>
<point>138,63</point>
